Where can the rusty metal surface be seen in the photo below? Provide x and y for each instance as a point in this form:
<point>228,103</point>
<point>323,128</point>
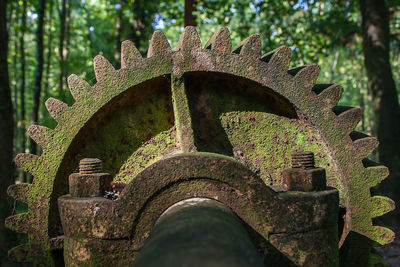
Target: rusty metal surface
<point>303,176</point>
<point>135,213</point>
<point>304,160</point>
<point>89,182</point>
<point>269,112</point>
<point>198,232</point>
<point>89,185</point>
<point>309,248</point>
<point>296,179</point>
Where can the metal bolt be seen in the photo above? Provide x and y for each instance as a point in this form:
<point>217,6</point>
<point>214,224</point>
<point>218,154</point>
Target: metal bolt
<point>90,181</point>
<point>304,160</point>
<point>304,176</point>
<point>90,165</point>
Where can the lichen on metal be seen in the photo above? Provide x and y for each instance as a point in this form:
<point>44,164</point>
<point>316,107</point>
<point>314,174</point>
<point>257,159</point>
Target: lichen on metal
<point>133,215</point>
<point>233,102</point>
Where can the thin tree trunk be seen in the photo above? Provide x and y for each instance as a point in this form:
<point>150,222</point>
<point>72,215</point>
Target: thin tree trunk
<point>118,26</point>
<point>7,238</point>
<point>61,42</point>
<point>89,32</point>
<point>138,15</point>
<point>334,65</point>
<point>10,13</point>
<point>48,55</point>
<point>15,75</point>
<point>362,97</point>
<point>376,37</point>
<point>190,19</point>
<point>67,38</point>
<point>22,118</point>
<point>39,71</point>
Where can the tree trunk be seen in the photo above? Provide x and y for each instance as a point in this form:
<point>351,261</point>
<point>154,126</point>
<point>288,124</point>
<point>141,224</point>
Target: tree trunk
<point>22,88</point>
<point>7,238</point>
<point>48,55</point>
<point>67,38</point>
<point>118,26</point>
<point>376,37</point>
<point>61,44</point>
<point>10,13</point>
<point>15,75</point>
<point>39,71</point>
<point>88,25</point>
<point>15,88</point>
<point>190,19</point>
<point>138,13</point>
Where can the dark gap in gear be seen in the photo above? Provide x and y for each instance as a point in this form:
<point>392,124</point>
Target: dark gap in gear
<point>212,94</point>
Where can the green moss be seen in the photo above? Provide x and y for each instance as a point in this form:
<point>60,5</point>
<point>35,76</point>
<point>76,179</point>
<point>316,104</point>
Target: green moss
<point>265,143</point>
<point>150,152</point>
<point>183,120</point>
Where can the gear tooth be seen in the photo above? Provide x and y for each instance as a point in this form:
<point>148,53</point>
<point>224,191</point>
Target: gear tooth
<point>19,192</point>
<point>78,87</point>
<point>103,69</point>
<point>18,223</point>
<point>363,144</point>
<point>40,134</point>
<point>348,117</point>
<point>381,205</point>
<point>130,55</point>
<point>278,58</point>
<point>306,76</point>
<point>21,253</point>
<point>28,163</point>
<point>220,41</point>
<point>329,93</point>
<point>374,173</point>
<point>380,234</point>
<point>159,45</point>
<point>251,47</point>
<point>189,40</point>
<point>56,108</point>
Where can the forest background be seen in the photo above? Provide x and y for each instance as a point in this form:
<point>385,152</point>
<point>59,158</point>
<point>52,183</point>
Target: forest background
<point>42,42</point>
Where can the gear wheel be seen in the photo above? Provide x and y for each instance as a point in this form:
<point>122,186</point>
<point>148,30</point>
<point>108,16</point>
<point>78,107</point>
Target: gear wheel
<point>227,101</point>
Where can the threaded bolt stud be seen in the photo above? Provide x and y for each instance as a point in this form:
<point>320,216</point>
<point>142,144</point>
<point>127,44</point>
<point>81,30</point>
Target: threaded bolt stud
<point>303,160</point>
<point>90,165</point>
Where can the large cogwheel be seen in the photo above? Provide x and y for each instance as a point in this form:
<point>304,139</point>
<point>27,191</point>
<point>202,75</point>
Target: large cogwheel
<point>216,99</point>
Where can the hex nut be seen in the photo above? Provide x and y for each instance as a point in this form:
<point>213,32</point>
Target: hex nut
<point>305,180</point>
<point>89,185</point>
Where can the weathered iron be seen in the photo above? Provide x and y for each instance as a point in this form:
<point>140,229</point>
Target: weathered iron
<point>118,186</point>
<point>89,182</point>
<point>198,232</point>
<point>304,160</point>
<point>232,102</point>
<point>123,226</point>
<point>88,166</point>
<point>303,176</point>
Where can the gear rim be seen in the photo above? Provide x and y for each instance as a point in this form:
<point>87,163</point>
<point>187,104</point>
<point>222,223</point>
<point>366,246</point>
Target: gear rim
<point>244,61</point>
